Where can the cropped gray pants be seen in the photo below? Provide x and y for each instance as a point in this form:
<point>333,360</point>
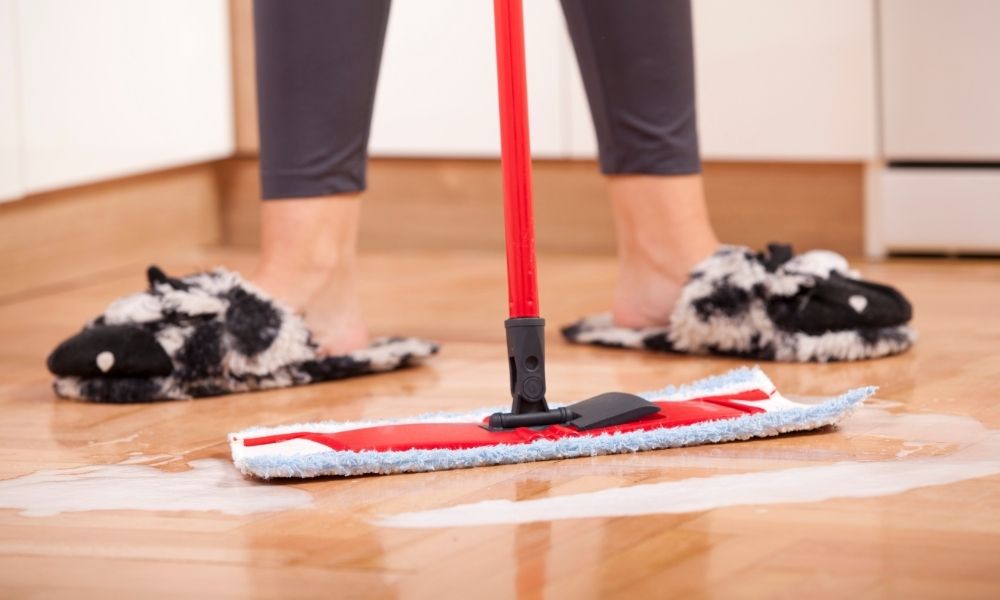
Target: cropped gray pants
<point>318,63</point>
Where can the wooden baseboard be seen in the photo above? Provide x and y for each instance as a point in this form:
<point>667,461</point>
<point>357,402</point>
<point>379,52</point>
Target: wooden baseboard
<point>455,204</point>
<point>72,234</point>
<point>810,205</point>
<point>410,205</point>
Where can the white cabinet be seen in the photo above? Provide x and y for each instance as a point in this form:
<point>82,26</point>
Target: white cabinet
<point>10,171</point>
<point>437,92</point>
<point>777,80</point>
<point>941,80</point>
<point>108,88</point>
<point>940,84</point>
<point>944,210</point>
<point>786,79</point>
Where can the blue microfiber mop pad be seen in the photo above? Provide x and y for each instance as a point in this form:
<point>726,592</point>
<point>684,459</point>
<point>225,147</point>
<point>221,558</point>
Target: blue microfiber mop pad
<point>304,458</point>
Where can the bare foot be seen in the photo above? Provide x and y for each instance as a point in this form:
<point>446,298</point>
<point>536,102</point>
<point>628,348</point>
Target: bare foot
<point>334,316</point>
<point>308,262</point>
<point>329,304</point>
<point>663,232</point>
<point>644,297</point>
<point>646,293</point>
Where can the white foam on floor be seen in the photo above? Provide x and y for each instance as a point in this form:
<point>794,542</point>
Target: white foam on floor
<point>209,485</point>
<point>977,454</point>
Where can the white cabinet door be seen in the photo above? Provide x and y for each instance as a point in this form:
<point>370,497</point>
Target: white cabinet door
<point>776,80</point>
<point>10,171</point>
<point>786,79</point>
<point>117,87</point>
<point>437,91</point>
<point>949,210</point>
<point>941,79</point>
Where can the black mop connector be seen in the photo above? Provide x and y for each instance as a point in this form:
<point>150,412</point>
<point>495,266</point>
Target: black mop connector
<point>526,360</point>
<point>526,356</point>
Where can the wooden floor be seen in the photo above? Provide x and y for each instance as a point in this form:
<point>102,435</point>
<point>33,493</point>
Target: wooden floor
<point>929,541</point>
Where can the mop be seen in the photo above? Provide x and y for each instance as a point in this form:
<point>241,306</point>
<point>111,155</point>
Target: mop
<point>739,405</point>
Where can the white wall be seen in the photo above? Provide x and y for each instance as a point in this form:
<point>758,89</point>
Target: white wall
<point>777,80</point>
<point>108,88</point>
<point>10,171</point>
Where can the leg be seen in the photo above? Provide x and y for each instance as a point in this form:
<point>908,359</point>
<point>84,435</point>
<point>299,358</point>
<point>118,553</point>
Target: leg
<point>317,67</point>
<point>308,260</point>
<point>637,63</point>
<point>663,231</point>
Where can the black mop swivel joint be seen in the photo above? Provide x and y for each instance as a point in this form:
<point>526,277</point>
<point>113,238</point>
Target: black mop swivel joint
<point>526,358</point>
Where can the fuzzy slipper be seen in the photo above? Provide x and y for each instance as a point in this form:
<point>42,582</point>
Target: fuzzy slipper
<point>770,306</point>
<point>206,334</point>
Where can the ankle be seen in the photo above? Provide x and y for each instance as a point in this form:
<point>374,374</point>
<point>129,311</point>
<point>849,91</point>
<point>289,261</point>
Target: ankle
<point>663,232</point>
<point>308,241</point>
<point>662,223</point>
<point>308,250</point>
<point>665,260</point>
<point>337,331</point>
<point>327,300</point>
<point>291,287</point>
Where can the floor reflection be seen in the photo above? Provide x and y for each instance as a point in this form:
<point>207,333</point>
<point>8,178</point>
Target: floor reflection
<point>532,543</point>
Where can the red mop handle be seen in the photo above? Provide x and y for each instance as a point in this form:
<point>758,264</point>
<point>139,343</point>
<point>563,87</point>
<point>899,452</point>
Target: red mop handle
<point>522,284</point>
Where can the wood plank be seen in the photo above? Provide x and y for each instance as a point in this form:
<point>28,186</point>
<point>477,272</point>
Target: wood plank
<point>927,542</point>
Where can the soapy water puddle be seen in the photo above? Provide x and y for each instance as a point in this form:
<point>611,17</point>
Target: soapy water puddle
<point>962,449</point>
<point>976,453</point>
<point>211,484</point>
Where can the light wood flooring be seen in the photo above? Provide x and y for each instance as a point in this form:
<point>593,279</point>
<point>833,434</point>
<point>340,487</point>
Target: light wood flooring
<point>929,541</point>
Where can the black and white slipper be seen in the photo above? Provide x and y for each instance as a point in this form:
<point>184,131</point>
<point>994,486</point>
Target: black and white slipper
<point>770,306</point>
<point>206,334</point>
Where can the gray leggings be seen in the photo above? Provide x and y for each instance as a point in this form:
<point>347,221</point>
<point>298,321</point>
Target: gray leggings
<point>318,62</point>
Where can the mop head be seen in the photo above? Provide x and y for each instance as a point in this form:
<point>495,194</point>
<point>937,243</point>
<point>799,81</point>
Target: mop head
<point>206,334</point>
<point>739,405</point>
